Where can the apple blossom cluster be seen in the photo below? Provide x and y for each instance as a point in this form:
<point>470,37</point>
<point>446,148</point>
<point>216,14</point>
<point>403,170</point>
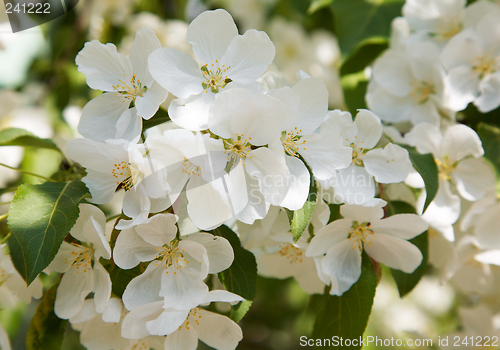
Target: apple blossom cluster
<point>243,147</point>
<point>444,56</point>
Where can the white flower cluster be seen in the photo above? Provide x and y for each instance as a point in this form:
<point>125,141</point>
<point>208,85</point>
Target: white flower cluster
<point>443,56</point>
<point>244,146</point>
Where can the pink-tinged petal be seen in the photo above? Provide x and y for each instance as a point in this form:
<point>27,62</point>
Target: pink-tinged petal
<point>148,104</point>
<point>186,339</point>
<point>394,252</point>
<point>299,184</point>
<point>176,72</point>
<point>369,129</point>
<point>167,323</point>
<point>192,112</point>
<point>103,66</point>
<point>145,288</point>
<point>248,56</point>
<point>474,179</point>
<point>102,287</point>
<point>144,44</point>
<point>75,285</point>
<point>159,231</point>
<point>219,251</point>
<point>353,185</point>
<point>388,165</point>
<point>272,172</point>
<point>134,323</point>
<point>210,34</point>
<point>328,236</point>
<point>217,331</point>
<point>404,226</point>
<point>343,262</point>
<point>100,117</point>
<point>130,249</point>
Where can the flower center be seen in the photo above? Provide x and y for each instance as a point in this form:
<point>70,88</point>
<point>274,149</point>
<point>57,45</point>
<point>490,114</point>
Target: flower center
<point>291,142</point>
<point>130,90</point>
<point>421,91</point>
<point>291,253</point>
<point>445,167</point>
<point>448,28</point>
<point>4,276</point>
<point>361,234</point>
<point>357,151</point>
<point>189,168</point>
<point>193,317</point>
<point>215,78</point>
<point>82,258</point>
<point>140,346</point>
<point>237,148</point>
<point>126,174</point>
<point>170,254</point>
<point>485,65</point>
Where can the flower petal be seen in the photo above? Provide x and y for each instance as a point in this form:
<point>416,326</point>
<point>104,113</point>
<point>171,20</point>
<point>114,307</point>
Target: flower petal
<point>217,331</point>
<point>75,285</point>
<point>176,72</point>
<point>389,165</point>
<point>130,249</point>
<point>394,252</point>
<point>103,66</point>
<point>344,263</point>
<point>404,226</point>
<point>474,179</point>
<point>144,44</point>
<point>210,34</point>
<point>328,236</point>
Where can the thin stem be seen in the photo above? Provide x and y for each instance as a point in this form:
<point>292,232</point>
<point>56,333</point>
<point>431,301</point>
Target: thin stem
<point>113,217</point>
<point>6,238</point>
<point>27,173</point>
<point>4,216</point>
<point>4,203</point>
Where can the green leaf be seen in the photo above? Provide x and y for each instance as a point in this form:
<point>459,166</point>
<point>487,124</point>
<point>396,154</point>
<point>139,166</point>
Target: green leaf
<point>299,219</point>
<point>120,278</point>
<point>239,310</point>
<point>21,137</point>
<point>334,212</point>
<point>427,168</point>
<point>159,118</point>
<point>354,87</point>
<point>347,316</point>
<point>46,330</point>
<point>407,281</point>
<point>357,20</point>
<point>490,136</point>
<point>241,277</point>
<point>317,5</point>
<point>366,53</point>
<point>40,217</point>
